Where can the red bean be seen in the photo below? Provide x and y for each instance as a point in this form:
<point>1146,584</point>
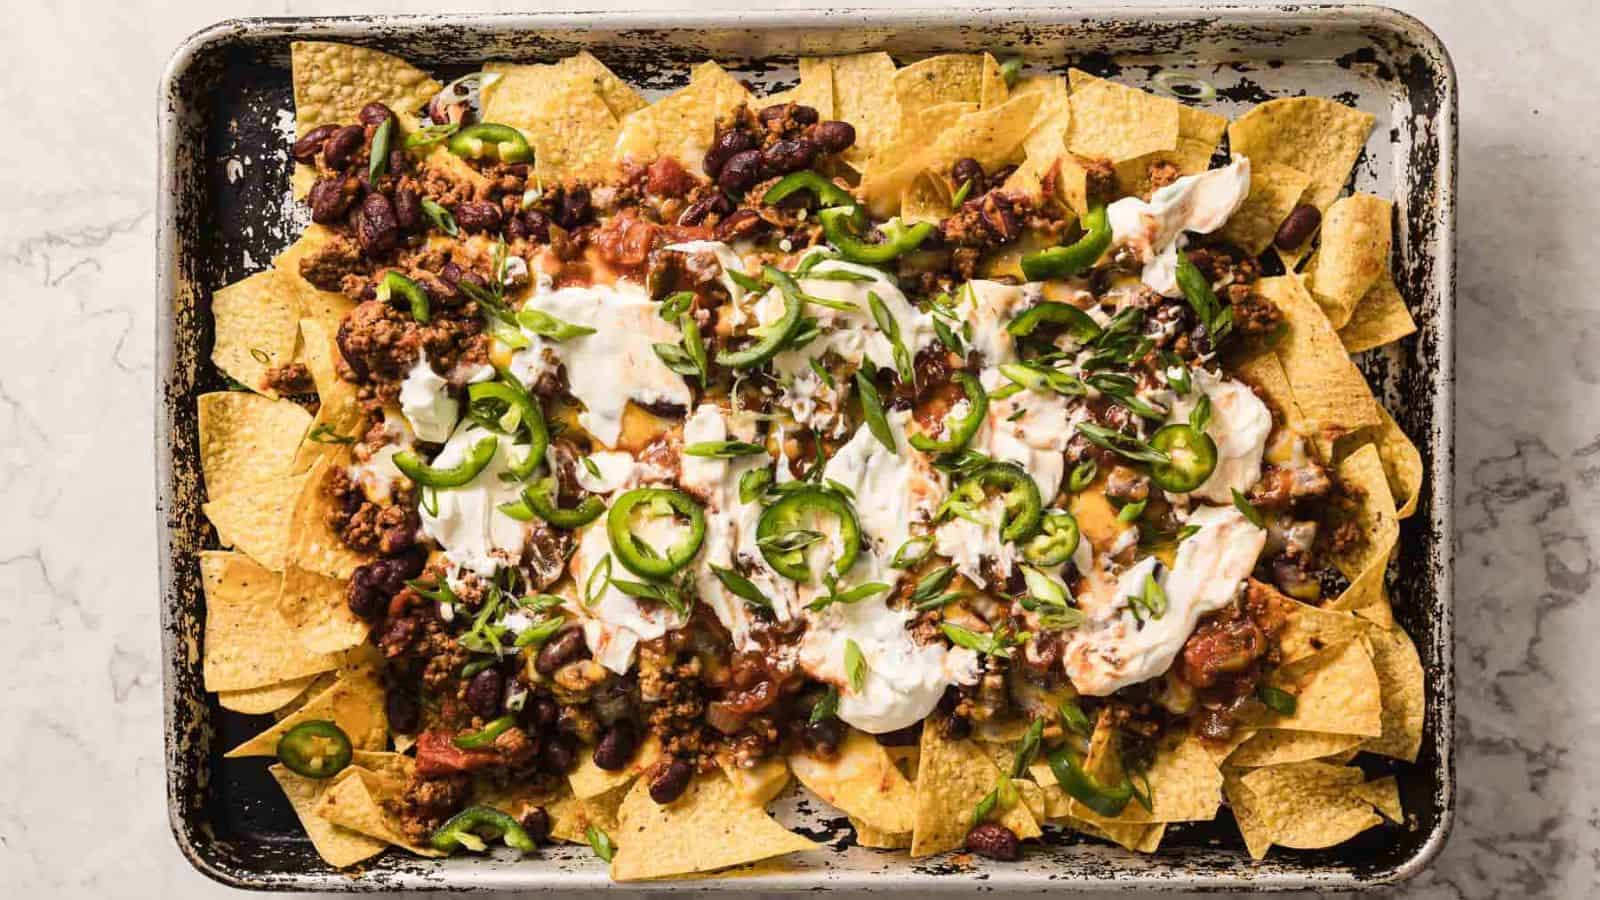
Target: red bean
<point>305,149</point>
<point>1300,224</point>
<point>725,147</point>
<point>994,840</point>
<point>341,146</point>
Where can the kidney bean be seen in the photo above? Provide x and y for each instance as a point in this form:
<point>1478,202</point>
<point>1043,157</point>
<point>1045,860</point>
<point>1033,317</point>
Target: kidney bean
<point>477,215</point>
<point>305,149</point>
<point>535,226</point>
<point>330,198</point>
<point>1300,224</point>
<point>574,209</point>
<point>968,169</point>
<point>539,714</point>
<point>833,136</point>
<point>565,647</point>
<point>399,162</point>
<point>536,822</point>
<point>374,114</point>
<point>699,210</point>
<point>993,840</point>
<point>741,172</point>
<point>784,157</point>
<point>486,693</point>
<point>407,209</point>
<point>376,230</point>
<point>725,147</point>
<point>403,712</point>
<point>373,584</point>
<point>341,146</point>
<point>557,753</point>
<point>671,781</point>
<point>744,223</point>
<point>616,747</point>
<point>397,635</point>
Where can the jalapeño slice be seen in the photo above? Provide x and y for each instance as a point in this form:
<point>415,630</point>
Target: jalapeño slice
<point>958,432</point>
<point>315,749</point>
<point>638,556</point>
<point>1055,542</point>
<point>1023,506</point>
<point>1192,454</point>
<point>792,514</point>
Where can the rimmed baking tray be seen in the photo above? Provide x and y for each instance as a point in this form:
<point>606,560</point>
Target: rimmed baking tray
<point>225,116</point>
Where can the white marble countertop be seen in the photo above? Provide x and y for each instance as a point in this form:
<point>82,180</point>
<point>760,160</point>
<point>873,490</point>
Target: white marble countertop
<point>82,809</point>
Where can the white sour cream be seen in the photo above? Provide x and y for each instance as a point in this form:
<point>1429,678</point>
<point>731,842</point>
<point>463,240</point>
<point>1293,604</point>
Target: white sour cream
<point>377,474</point>
<point>615,467</point>
<point>852,335</point>
<point>1240,424</point>
<point>426,402</point>
<point>1115,649</point>
<point>475,535</point>
<point>615,623</point>
<point>1153,230</point>
<point>893,489</point>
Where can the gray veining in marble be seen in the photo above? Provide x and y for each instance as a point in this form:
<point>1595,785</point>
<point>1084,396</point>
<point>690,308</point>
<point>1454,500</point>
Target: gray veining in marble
<point>81,780</point>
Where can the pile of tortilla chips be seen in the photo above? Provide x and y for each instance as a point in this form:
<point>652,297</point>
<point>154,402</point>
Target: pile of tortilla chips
<point>280,639</point>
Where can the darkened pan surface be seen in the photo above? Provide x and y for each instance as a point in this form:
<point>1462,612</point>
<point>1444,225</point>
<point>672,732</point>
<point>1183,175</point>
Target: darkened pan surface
<point>224,121</point>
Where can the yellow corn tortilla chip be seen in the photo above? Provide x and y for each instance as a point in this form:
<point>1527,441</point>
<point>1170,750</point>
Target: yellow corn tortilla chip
<point>1384,795</point>
<point>1185,782</point>
<point>392,766</point>
<point>1312,629</point>
<point>867,836</point>
<point>564,112</point>
<point>1316,135</point>
<point>1275,190</point>
<point>246,644</point>
<point>1271,748</point>
<point>992,89</point>
<point>247,439</point>
<point>1336,690</point>
<point>1056,801</point>
<point>254,519</point>
<point>257,322</point>
<point>619,96</point>
<point>333,81</point>
<point>1329,390</point>
<point>1198,134</point>
<point>1366,596</point>
<point>1117,122</point>
<point>1310,805</point>
<point>1353,254</point>
<point>992,136</point>
<point>327,307</point>
<point>950,78</point>
<point>301,180</point>
<point>589,780</point>
<point>1264,372</point>
<point>925,200</point>
<point>1379,318</point>
<point>354,702</point>
<point>338,847</point>
<point>1362,474</point>
<point>682,125</point>
<point>1046,143</point>
<point>710,827</point>
<point>1400,678</point>
<point>814,90</point>
<point>758,783</point>
<point>314,608</point>
<point>864,96</point>
<point>339,413</point>
<point>266,699</point>
<point>314,546</point>
<point>952,778</point>
<point>884,184</point>
<point>1247,813</point>
<point>571,816</point>
<point>352,804</point>
<point>1402,463</point>
<point>862,780</point>
<point>1138,838</point>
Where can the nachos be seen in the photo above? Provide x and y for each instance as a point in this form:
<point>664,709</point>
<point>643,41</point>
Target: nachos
<point>932,439</point>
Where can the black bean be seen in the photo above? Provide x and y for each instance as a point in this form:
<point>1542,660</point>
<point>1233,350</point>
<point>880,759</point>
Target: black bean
<point>1300,224</point>
<point>670,783</point>
<point>726,145</point>
<point>741,172</point>
<point>305,149</point>
<point>486,693</point>
<point>833,136</point>
<point>536,822</point>
<point>477,215</point>
<point>616,747</point>
<point>376,230</point>
<point>330,198</point>
<point>565,647</point>
<point>403,711</point>
<point>784,157</point>
<point>993,840</point>
<point>374,114</point>
<point>341,146</point>
<point>575,208</point>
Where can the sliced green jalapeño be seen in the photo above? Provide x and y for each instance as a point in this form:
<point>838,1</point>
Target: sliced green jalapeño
<point>1192,456</point>
<point>1062,262</point>
<point>958,432</point>
<point>792,515</point>
<point>838,225</point>
<point>1056,540</point>
<point>637,555</point>
<point>488,140</point>
<point>315,749</point>
<point>477,459</point>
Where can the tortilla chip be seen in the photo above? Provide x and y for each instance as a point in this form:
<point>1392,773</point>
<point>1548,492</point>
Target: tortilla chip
<point>333,81</point>
<point>1275,190</point>
<point>814,90</point>
<point>682,125</point>
<point>991,136</point>
<point>1271,748</point>
<point>314,608</point>
<point>301,180</point>
<point>1046,143</point>
<point>1353,254</point>
<point>1366,596</point>
<point>950,78</point>
<point>862,780</point>
<point>354,702</point>
<point>885,183</point>
<point>925,200</point>
<point>564,111</point>
<point>338,846</point>
<point>589,780</point>
<point>1117,122</point>
<point>246,645</point>
<point>254,520</point>
<point>1380,318</point>
<point>1316,135</point>
<point>710,827</point>
<point>759,783</point>
<point>1400,678</point>
<point>1384,795</point>
<point>339,413</point>
<point>864,96</point>
<point>1336,690</point>
<point>246,439</point>
<point>352,804</point>
<point>952,778</point>
<point>257,322</point>
<point>1311,629</point>
<point>314,546</point>
<point>867,836</point>
<point>1362,474</point>
<point>1247,813</point>
<point>1198,134</point>
<point>266,699</point>
<point>992,89</point>
<point>1402,464</point>
<point>327,307</point>
<point>1138,838</point>
<point>1309,805</point>
<point>1185,783</point>
<point>1329,390</point>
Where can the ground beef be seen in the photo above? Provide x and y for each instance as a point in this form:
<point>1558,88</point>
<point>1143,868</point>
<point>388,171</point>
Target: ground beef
<point>1163,172</point>
<point>289,378</point>
<point>428,802</point>
<point>326,266</point>
<point>1283,486</point>
<point>1252,312</point>
<point>379,342</point>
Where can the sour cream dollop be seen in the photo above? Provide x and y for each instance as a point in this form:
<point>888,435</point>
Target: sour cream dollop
<point>474,533</point>
<point>1153,230</point>
<point>427,404</point>
<point>1240,424</point>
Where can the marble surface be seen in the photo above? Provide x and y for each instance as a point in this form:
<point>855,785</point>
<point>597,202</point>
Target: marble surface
<point>81,780</point>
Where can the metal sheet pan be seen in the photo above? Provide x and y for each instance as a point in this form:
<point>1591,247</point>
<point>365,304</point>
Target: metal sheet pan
<point>225,212</point>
